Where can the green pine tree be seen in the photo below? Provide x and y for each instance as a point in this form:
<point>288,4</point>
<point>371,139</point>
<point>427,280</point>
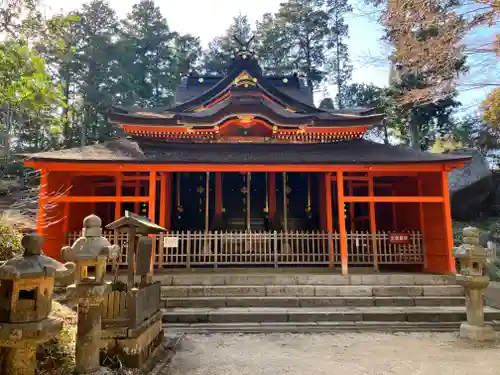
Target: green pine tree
<point>147,57</point>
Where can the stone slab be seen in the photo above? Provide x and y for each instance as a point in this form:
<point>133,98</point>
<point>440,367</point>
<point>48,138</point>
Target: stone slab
<point>136,345</point>
<point>378,314</point>
<point>227,291</point>
<point>324,315</point>
<point>279,279</point>
<point>442,290</point>
<point>423,279</point>
<point>174,291</point>
<point>384,316</point>
<point>290,290</point>
<point>431,316</point>
<point>205,279</point>
<point>376,279</point>
<point>401,279</point>
<point>394,301</point>
<point>400,291</point>
<point>343,291</point>
<point>208,302</point>
<point>440,301</point>
<point>253,317</point>
<point>262,302</point>
<point>187,316</point>
<point>323,280</point>
<point>316,327</point>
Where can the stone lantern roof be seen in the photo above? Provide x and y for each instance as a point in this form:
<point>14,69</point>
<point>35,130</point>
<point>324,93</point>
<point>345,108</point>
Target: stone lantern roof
<point>33,263</point>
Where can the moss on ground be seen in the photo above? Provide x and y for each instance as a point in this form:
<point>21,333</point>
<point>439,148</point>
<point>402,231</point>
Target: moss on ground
<point>57,357</point>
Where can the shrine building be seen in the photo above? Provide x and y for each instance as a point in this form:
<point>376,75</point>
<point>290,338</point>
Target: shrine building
<point>245,171</point>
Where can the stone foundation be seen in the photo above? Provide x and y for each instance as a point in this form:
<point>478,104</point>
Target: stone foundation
<point>134,347</point>
<point>477,333</point>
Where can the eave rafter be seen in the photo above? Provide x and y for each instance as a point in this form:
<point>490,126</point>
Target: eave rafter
<point>301,133</point>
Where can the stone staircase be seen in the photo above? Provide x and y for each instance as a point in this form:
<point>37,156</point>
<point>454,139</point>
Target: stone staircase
<point>268,302</point>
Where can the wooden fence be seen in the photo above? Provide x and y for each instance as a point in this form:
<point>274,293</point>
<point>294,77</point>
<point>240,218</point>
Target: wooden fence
<point>198,248</point>
<point>131,309</point>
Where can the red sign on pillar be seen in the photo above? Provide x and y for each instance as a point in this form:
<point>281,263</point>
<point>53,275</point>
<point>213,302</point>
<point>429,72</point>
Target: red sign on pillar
<point>399,238</point>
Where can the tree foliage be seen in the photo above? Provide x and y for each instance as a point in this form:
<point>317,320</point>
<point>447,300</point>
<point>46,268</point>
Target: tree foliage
<point>340,65</point>
<point>220,50</point>
<point>147,58</point>
<point>59,75</point>
<point>491,109</point>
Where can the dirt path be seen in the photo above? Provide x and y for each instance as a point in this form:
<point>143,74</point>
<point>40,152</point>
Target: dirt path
<point>329,354</point>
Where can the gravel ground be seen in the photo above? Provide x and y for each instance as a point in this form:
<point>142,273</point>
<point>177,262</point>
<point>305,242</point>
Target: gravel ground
<point>345,354</point>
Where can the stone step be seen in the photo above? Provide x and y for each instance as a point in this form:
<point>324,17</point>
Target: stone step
<point>316,327</point>
<point>323,314</point>
<point>311,291</point>
<point>216,302</point>
<point>288,278</point>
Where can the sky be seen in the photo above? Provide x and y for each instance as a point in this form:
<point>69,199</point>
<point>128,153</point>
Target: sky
<point>207,20</point>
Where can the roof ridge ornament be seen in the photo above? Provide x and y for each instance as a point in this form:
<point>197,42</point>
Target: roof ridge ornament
<point>243,50</point>
<point>245,79</point>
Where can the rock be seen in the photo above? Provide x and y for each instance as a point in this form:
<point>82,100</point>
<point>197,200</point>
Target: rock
<point>470,186</point>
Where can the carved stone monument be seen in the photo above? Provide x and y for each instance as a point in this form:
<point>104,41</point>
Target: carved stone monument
<point>90,253</point>
<point>472,259</point>
<point>26,286</point>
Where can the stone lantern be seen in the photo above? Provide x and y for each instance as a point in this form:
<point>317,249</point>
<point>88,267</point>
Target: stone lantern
<point>473,258</point>
<point>90,253</point>
<point>26,287</point>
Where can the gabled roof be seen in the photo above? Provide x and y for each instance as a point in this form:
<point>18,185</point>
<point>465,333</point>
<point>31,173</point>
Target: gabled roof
<point>193,86</point>
<point>347,152</point>
<point>243,91</point>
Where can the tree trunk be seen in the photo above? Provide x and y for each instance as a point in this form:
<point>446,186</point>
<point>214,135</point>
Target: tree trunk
<point>66,126</point>
<point>414,133</point>
<point>86,118</point>
<point>339,79</point>
<point>386,133</point>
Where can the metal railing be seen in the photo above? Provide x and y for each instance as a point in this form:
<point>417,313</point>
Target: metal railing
<point>219,248</point>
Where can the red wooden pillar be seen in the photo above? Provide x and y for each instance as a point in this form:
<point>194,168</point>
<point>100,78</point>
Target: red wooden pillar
<point>66,213</point>
<point>342,228</point>
<point>93,192</point>
<point>40,219</point>
<point>119,186</point>
<point>272,195</point>
<point>352,218</point>
<point>421,214</point>
<point>329,214</point>
<point>152,215</point>
<point>394,213</point>
<point>137,192</point>
<point>322,211</point>
<point>218,194</point>
<point>373,223</point>
<point>168,201</point>
<point>163,200</point>
<point>447,217</point>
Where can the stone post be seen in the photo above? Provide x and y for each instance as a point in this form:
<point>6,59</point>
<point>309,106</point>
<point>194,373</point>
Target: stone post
<point>88,334</point>
<point>473,260</point>
<point>21,360</point>
<point>90,251</point>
